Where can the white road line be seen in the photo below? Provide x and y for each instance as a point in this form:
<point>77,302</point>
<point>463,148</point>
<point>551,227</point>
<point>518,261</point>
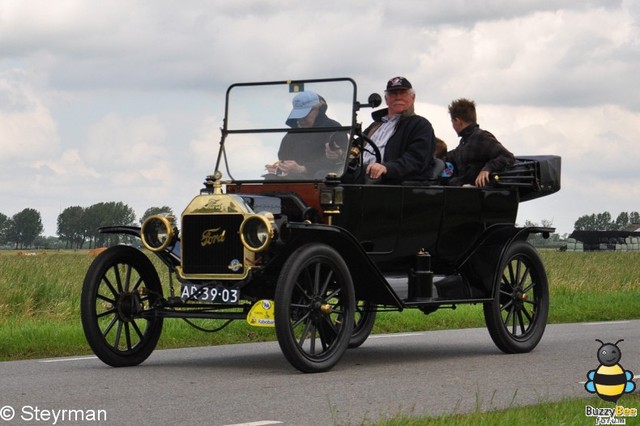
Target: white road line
<point>606,323</point>
<point>385,336</point>
<point>260,423</point>
<point>84,358</point>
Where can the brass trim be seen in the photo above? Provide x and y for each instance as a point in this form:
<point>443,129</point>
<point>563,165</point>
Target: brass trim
<point>223,204</point>
<point>169,224</point>
<point>267,220</point>
<point>326,309</point>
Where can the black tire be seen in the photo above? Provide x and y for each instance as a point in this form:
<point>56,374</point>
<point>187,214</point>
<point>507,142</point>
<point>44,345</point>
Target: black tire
<point>517,316</point>
<point>365,318</point>
<point>120,284</point>
<point>314,308</point>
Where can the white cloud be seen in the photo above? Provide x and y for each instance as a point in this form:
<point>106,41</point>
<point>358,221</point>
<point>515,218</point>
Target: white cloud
<point>547,58</point>
<point>204,147</point>
<point>27,127</point>
<point>69,164</point>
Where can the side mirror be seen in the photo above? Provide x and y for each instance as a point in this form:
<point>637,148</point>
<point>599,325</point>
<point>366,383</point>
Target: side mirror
<point>374,101</point>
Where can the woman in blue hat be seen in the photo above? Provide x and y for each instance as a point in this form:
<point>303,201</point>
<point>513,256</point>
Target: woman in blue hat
<point>309,155</point>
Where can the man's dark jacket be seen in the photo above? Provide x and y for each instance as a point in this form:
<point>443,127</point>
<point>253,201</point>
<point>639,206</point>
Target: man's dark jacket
<point>408,154</point>
<point>308,149</point>
<point>478,150</point>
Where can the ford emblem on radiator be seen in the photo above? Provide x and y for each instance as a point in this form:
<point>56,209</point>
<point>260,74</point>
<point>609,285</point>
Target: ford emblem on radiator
<point>212,236</point>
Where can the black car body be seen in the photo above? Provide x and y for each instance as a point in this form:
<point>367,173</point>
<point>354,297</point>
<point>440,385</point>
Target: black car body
<point>317,255</point>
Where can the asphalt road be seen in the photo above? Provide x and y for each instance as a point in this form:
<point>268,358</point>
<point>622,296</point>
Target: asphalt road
<point>439,372</point>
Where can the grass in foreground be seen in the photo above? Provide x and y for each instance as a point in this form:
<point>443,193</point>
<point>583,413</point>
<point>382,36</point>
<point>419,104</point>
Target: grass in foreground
<point>567,412</point>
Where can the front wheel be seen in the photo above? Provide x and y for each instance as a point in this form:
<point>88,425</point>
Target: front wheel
<point>517,316</point>
<point>314,308</point>
<point>120,288</point>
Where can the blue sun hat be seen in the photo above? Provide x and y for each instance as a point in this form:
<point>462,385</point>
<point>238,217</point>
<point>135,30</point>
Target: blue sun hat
<point>302,104</point>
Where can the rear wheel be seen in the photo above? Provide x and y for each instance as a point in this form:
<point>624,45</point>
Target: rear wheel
<point>517,316</point>
<point>365,318</point>
<point>120,287</point>
<point>314,308</point>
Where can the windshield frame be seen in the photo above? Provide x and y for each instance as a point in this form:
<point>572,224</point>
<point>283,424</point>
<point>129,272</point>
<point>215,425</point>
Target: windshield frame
<point>352,128</point>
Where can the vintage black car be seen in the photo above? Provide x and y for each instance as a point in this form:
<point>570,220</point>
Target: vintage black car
<point>316,255</point>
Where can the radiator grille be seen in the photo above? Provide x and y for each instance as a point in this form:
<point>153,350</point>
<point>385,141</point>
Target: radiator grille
<point>211,243</point>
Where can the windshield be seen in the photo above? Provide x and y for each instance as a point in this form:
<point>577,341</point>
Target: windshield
<point>287,130</point>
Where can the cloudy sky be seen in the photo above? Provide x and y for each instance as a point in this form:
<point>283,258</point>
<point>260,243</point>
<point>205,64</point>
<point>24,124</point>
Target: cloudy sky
<point>123,100</point>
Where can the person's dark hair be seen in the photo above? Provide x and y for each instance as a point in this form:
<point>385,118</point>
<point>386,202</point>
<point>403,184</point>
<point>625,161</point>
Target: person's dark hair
<point>323,105</point>
<point>441,149</point>
<point>463,109</point>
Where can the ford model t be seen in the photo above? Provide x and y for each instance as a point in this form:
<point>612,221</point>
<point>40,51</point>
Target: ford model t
<point>317,252</point>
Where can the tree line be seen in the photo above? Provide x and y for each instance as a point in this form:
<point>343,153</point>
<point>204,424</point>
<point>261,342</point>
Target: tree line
<point>603,222</point>
<point>21,229</point>
<point>77,227</point>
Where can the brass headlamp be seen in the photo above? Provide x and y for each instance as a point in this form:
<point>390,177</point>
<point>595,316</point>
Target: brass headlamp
<point>257,231</point>
<point>159,232</point>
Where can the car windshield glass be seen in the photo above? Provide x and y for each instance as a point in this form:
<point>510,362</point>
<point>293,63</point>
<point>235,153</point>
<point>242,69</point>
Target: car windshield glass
<point>287,131</point>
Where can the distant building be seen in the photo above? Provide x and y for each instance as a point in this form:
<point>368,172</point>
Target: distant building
<point>627,240</point>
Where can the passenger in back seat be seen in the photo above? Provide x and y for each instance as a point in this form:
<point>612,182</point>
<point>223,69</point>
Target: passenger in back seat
<point>479,152</point>
<point>439,160</point>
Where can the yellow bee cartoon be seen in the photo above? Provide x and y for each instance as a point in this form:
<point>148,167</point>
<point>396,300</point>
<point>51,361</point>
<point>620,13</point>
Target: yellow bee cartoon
<point>609,381</point>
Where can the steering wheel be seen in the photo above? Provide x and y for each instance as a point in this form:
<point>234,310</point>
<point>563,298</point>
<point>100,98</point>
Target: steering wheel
<point>371,147</point>
<point>356,169</point>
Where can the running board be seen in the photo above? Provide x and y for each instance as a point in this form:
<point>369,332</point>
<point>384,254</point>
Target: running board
<point>445,289</point>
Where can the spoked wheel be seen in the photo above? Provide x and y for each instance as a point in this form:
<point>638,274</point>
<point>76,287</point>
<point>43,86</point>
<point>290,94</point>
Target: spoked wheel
<point>121,284</point>
<point>365,318</point>
<point>517,316</point>
<point>314,308</point>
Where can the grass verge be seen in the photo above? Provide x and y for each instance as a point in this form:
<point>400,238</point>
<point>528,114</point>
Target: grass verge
<point>566,412</point>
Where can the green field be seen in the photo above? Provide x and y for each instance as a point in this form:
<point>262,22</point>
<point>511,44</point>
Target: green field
<point>40,313</point>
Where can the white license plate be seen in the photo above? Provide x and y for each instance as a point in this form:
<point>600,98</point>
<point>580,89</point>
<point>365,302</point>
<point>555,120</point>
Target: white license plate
<point>211,294</point>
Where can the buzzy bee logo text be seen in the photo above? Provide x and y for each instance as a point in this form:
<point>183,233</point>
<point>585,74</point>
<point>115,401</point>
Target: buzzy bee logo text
<point>609,381</point>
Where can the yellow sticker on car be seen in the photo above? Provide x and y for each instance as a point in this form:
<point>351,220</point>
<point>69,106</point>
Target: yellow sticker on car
<point>262,314</point>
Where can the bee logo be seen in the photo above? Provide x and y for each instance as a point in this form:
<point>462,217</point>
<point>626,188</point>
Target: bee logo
<point>609,381</point>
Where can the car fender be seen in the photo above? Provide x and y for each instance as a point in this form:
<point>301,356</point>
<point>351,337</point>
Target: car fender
<point>170,256</point>
<point>481,265</point>
<point>369,283</point>
<point>121,229</point>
